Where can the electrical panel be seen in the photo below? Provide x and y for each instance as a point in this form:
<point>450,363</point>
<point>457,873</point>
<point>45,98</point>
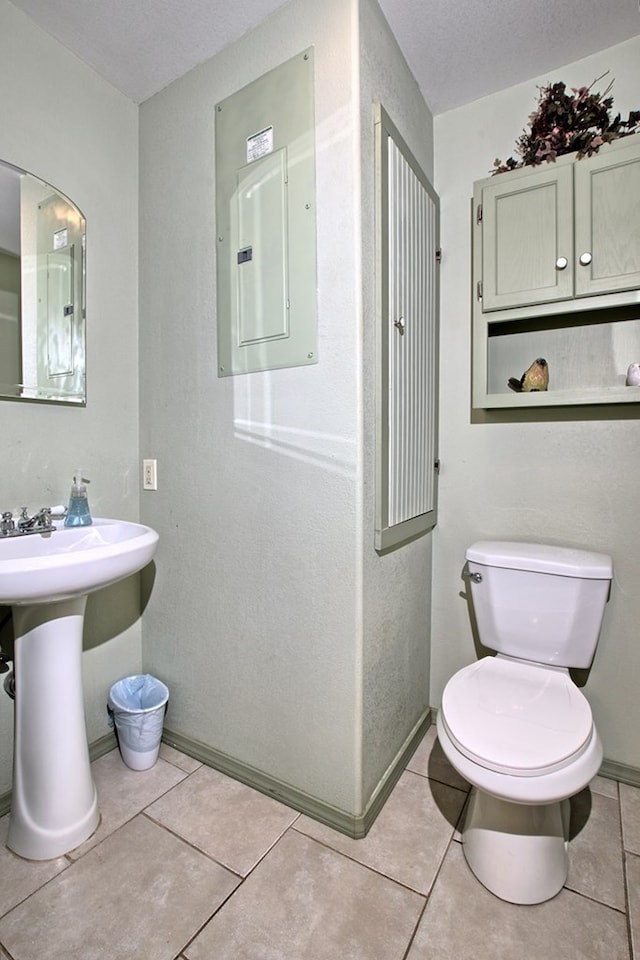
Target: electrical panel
<point>266,222</point>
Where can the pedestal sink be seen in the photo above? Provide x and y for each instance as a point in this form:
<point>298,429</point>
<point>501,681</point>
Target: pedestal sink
<point>45,578</point>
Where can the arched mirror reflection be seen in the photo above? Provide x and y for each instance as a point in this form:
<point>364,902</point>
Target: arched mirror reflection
<point>42,282</point>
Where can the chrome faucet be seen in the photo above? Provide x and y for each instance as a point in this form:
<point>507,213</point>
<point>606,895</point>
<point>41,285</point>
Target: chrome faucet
<point>40,522</point>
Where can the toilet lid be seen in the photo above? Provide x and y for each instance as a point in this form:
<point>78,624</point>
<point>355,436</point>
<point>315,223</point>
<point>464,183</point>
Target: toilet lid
<point>517,718</point>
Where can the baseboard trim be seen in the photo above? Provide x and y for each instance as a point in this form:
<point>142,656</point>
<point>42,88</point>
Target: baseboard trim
<point>392,775</point>
<point>102,745</point>
<point>621,772</point>
<point>352,826</point>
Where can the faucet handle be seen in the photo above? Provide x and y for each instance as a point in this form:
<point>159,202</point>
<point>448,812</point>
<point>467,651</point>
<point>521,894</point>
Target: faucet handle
<point>7,525</point>
<point>44,518</point>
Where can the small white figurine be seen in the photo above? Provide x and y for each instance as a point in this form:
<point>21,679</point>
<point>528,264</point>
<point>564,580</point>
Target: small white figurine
<point>633,375</point>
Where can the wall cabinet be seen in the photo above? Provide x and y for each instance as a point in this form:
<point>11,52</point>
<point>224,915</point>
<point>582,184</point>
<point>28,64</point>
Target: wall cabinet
<point>526,230</point>
<point>557,274</point>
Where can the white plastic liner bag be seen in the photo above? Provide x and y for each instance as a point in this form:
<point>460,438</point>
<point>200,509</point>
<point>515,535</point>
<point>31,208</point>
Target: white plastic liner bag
<point>137,706</point>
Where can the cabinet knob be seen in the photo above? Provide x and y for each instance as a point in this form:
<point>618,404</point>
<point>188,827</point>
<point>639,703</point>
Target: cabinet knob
<point>561,263</point>
<point>585,259</point>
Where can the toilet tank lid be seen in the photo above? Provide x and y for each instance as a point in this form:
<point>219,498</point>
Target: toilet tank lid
<point>542,558</point>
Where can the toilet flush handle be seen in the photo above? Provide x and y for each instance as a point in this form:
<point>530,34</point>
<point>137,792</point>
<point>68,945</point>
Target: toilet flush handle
<point>476,577</point>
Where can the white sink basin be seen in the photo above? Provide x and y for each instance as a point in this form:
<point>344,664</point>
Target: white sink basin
<point>72,561</point>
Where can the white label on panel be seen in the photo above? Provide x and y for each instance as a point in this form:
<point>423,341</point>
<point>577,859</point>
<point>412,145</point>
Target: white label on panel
<point>60,239</point>
<point>260,144</point>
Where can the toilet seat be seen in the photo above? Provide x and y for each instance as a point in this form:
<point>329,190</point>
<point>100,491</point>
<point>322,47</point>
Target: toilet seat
<point>516,718</point>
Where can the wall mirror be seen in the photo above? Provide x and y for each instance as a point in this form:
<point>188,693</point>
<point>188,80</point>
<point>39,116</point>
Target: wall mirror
<point>42,284</point>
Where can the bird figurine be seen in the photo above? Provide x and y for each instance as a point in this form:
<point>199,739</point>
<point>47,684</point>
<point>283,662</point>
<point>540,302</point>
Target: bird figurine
<point>535,378</point>
<point>633,375</point>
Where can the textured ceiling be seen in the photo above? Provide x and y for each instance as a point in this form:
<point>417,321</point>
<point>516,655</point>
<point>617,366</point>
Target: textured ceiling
<point>458,50</point>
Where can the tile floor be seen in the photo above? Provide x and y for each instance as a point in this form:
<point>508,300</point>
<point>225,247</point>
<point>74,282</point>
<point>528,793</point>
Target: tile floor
<point>189,864</point>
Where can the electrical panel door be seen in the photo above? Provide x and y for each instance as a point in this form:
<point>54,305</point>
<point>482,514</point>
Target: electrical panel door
<point>266,222</point>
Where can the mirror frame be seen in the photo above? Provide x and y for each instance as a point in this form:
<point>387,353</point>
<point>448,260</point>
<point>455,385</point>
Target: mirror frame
<point>42,291</point>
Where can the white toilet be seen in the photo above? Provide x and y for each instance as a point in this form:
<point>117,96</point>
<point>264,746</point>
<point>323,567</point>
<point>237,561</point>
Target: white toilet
<point>515,725</point>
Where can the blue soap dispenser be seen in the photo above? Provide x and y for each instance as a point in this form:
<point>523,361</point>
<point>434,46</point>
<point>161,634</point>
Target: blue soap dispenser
<point>78,513</point>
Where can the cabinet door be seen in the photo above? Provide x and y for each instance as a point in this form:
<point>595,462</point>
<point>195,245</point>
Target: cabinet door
<point>527,239</point>
<point>607,201</point>
<point>408,227</point>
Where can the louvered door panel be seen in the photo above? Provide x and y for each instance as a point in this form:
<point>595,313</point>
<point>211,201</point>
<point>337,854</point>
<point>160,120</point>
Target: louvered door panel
<point>408,228</point>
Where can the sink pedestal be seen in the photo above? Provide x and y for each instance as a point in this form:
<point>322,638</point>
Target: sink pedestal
<point>45,577</point>
<point>54,803</point>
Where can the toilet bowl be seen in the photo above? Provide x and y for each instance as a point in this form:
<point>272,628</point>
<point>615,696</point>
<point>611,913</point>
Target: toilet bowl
<point>515,725</point>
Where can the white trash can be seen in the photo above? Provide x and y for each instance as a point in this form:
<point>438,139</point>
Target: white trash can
<point>137,706</point>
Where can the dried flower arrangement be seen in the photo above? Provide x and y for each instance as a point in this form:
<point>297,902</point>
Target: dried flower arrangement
<point>569,123</point>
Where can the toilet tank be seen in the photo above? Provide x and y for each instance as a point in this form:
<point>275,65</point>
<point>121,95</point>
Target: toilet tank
<point>538,602</point>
